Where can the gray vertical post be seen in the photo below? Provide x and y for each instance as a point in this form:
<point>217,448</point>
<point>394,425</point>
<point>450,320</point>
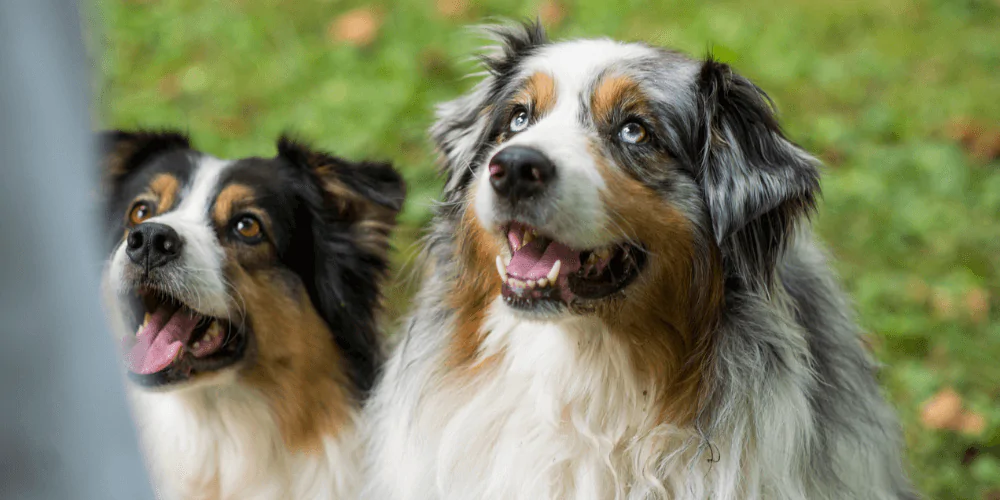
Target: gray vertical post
<point>65,431</point>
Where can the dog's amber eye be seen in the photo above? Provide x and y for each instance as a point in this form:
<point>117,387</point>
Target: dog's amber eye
<point>140,212</point>
<point>249,228</point>
<point>632,133</point>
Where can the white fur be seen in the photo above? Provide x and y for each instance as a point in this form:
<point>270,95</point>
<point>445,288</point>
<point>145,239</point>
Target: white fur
<point>225,435</point>
<point>217,438</point>
<point>562,415</point>
<point>579,218</point>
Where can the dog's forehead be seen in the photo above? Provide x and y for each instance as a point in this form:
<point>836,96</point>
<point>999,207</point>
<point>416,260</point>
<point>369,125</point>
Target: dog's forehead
<point>576,65</point>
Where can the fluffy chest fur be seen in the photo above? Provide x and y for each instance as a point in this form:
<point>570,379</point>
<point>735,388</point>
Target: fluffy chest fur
<point>552,410</point>
<point>224,443</point>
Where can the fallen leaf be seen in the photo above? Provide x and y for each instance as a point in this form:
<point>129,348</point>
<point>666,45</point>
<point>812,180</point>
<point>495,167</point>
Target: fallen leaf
<point>452,8</point>
<point>977,303</point>
<point>972,423</point>
<point>962,130</point>
<point>358,27</point>
<point>918,290</point>
<point>552,12</point>
<point>942,305</point>
<point>970,455</point>
<point>986,147</point>
<point>943,411</point>
<point>169,86</point>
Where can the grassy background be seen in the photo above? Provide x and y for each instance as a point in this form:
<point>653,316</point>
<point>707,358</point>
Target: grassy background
<point>899,98</point>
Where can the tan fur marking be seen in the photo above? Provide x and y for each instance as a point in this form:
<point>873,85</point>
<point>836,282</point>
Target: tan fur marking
<point>539,93</point>
<point>668,314</point>
<point>232,198</point>
<point>616,92</point>
<point>297,365</point>
<point>476,286</point>
<point>165,188</point>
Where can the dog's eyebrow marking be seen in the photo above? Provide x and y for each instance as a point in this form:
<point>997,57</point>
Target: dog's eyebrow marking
<point>615,91</point>
<point>165,187</point>
<point>540,92</point>
<point>231,198</point>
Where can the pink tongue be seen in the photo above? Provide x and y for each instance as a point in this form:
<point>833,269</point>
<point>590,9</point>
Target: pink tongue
<point>534,260</point>
<point>159,341</point>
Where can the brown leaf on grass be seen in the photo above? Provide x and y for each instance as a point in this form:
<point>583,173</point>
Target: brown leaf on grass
<point>358,27</point>
<point>943,411</point>
<point>169,86</point>
<point>942,305</point>
<point>977,304</point>
<point>986,147</point>
<point>972,423</point>
<point>962,130</point>
<point>982,143</point>
<point>992,495</point>
<point>918,290</point>
<point>452,8</point>
<point>552,12</point>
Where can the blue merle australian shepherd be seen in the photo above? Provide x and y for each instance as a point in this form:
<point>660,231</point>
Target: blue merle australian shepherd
<point>623,298</point>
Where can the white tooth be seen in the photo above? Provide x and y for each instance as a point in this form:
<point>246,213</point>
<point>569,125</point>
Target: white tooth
<point>592,259</point>
<point>554,272</point>
<point>196,345</point>
<point>502,269</point>
<point>542,283</point>
<point>516,283</point>
<point>530,283</point>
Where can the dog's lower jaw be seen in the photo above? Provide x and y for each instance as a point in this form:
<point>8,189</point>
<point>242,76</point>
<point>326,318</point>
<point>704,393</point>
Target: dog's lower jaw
<point>222,441</point>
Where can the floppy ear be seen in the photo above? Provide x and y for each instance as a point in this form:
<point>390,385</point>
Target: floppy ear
<point>462,125</point>
<point>757,183</point>
<point>348,210</point>
<point>122,152</point>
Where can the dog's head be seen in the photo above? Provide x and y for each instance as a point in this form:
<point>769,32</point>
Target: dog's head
<point>251,267</point>
<point>604,176</point>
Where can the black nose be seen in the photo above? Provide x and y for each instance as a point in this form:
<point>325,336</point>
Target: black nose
<point>152,245</point>
<point>520,172</point>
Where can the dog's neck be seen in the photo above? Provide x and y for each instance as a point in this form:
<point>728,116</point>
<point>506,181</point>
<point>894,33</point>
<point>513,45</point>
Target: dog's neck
<point>221,441</point>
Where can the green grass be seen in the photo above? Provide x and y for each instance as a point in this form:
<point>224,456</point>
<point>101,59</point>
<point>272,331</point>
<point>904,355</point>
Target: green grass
<point>871,86</point>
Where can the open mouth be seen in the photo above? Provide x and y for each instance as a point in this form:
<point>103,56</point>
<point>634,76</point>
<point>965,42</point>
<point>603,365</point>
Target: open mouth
<point>544,273</point>
<point>173,343</point>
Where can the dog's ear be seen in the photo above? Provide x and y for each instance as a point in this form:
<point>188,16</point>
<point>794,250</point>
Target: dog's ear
<point>359,191</point>
<point>123,151</point>
<point>463,124</point>
<point>757,183</point>
<point>347,211</point>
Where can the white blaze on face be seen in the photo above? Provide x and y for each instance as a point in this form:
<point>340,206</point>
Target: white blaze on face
<point>579,219</point>
<point>199,279</point>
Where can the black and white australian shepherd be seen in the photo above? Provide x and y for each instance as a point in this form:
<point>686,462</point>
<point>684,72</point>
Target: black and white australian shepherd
<point>623,299</point>
<point>246,294</point>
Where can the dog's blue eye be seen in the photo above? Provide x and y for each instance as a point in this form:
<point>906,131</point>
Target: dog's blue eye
<point>519,122</point>
<point>632,133</point>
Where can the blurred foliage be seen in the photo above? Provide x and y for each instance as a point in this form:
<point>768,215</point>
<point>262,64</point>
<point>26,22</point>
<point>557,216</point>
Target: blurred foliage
<point>899,98</point>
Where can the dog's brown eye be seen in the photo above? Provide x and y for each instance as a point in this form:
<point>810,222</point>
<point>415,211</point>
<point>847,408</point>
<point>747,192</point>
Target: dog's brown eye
<point>140,212</point>
<point>248,227</point>
<point>632,133</point>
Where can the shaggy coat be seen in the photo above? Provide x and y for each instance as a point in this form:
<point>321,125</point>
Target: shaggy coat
<point>718,358</point>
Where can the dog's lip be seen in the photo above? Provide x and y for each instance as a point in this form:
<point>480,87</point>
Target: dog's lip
<point>542,270</point>
<point>212,344</point>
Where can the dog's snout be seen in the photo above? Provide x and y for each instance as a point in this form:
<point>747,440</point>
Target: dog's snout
<point>152,245</point>
<point>519,172</point>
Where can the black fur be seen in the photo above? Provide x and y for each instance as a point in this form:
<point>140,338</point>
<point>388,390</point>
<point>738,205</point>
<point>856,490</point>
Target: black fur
<point>318,236</point>
<point>342,277</point>
<point>757,183</point>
